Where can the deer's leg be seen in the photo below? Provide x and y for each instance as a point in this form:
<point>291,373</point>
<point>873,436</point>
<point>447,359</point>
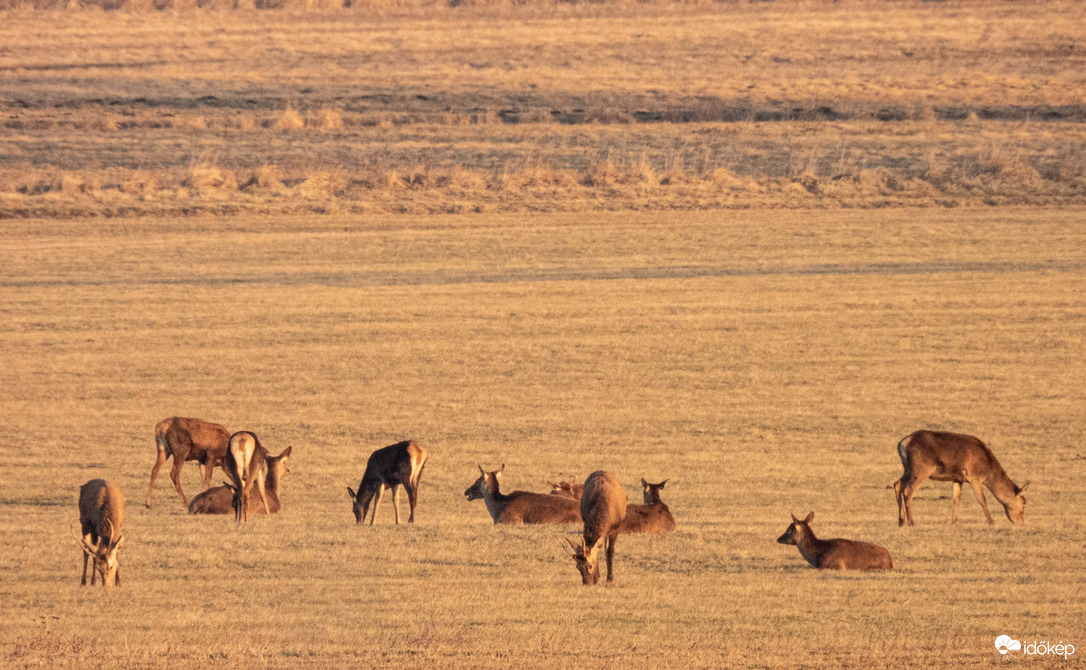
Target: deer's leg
<point>980,498</point>
<point>412,498</point>
<point>117,579</point>
<point>909,487</point>
<point>377,502</point>
<point>957,502</point>
<point>207,469</point>
<point>159,460</point>
<point>175,475</point>
<point>260,489</point>
<point>86,556</point>
<point>396,502</point>
<point>611,556</point>
<point>899,486</point>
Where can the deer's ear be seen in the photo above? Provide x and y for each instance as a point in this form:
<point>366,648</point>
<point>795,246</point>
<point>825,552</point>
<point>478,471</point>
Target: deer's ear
<point>286,453</point>
<point>482,471</point>
<point>661,484</point>
<point>809,519</point>
<point>501,469</point>
<point>644,484</point>
<point>794,519</point>
<point>350,492</point>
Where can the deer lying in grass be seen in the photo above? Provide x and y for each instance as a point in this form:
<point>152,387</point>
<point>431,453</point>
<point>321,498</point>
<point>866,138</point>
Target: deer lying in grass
<point>568,489</point>
<point>188,440</point>
<point>955,458</point>
<point>391,466</point>
<point>603,508</point>
<point>247,465</point>
<point>653,516</point>
<point>834,554</point>
<point>521,506</point>
<point>220,500</point>
<point>101,516</point>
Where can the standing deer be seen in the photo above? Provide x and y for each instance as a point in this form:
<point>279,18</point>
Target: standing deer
<point>834,554</point>
<point>520,506</point>
<point>391,466</point>
<point>568,489</point>
<point>247,464</point>
<point>188,440</point>
<point>101,516</point>
<point>220,500</point>
<point>955,458</point>
<point>653,516</point>
<point>603,509</point>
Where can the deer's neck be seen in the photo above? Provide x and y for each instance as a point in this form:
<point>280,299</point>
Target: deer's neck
<point>1000,485</point>
<point>495,501</point>
<point>810,547</point>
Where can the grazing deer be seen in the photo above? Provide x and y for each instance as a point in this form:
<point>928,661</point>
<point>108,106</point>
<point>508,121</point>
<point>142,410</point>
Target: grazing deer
<point>188,440</point>
<point>955,458</point>
<point>520,506</point>
<point>247,464</point>
<point>603,508</point>
<point>834,554</point>
<point>101,516</point>
<point>391,466</point>
<point>568,489</point>
<point>653,516</point>
<point>220,500</point>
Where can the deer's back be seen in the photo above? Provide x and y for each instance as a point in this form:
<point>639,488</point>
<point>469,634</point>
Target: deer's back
<point>393,464</point>
<point>101,503</point>
<point>654,518</point>
<point>527,507</point>
<point>196,437</point>
<point>951,454</point>
<point>854,555</point>
<point>220,500</point>
<point>603,504</point>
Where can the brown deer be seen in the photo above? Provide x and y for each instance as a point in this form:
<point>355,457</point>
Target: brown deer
<point>653,516</point>
<point>188,440</point>
<point>389,467</point>
<point>101,516</point>
<point>957,458</point>
<point>220,500</point>
<point>603,508</point>
<point>247,464</point>
<point>568,489</point>
<point>520,506</point>
<point>834,554</point>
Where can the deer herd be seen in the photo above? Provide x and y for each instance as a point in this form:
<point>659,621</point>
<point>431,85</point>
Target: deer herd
<point>600,503</point>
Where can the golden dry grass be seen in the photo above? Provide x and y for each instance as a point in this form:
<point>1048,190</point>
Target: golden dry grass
<point>766,361</point>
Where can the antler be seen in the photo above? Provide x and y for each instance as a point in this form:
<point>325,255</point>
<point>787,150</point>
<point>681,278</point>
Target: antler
<point>83,542</point>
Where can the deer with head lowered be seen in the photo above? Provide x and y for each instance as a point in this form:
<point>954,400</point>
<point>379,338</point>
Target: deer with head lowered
<point>568,489</point>
<point>188,440</point>
<point>958,459</point>
<point>247,465</point>
<point>651,517</point>
<point>389,467</point>
<point>220,500</point>
<point>101,516</point>
<point>520,506</point>
<point>834,554</point>
<point>603,509</point>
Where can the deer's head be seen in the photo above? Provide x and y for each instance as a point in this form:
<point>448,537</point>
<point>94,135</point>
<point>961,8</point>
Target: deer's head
<point>652,491</point>
<point>1016,506</point>
<point>797,530</point>
<point>104,555</point>
<point>587,559</point>
<point>486,483</point>
<point>360,502</point>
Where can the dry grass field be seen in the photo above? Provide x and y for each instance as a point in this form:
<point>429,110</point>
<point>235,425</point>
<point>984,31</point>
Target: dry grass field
<point>743,246</point>
<point>767,363</point>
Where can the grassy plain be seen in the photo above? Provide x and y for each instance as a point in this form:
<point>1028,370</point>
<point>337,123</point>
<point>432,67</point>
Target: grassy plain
<point>767,362</point>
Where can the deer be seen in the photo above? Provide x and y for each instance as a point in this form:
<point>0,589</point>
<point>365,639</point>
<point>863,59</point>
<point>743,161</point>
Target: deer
<point>247,464</point>
<point>101,517</point>
<point>603,509</point>
<point>568,489</point>
<point>958,459</point>
<point>521,506</point>
<point>651,517</point>
<point>389,467</point>
<point>188,440</point>
<point>220,500</point>
<point>834,554</point>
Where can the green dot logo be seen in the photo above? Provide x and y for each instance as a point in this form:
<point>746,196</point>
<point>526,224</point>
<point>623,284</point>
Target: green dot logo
<point>1004,643</point>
